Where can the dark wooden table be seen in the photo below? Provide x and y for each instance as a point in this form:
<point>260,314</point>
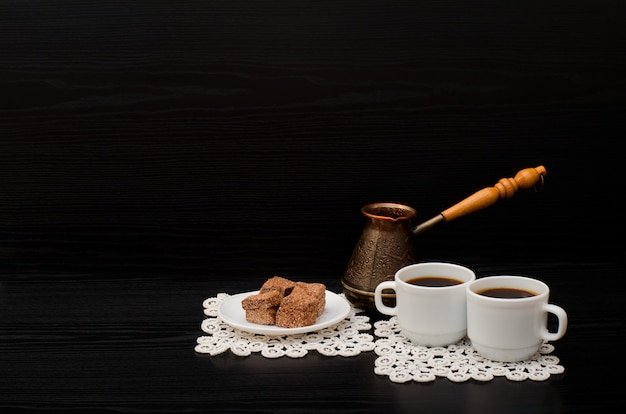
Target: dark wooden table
<point>155,153</point>
<point>128,345</point>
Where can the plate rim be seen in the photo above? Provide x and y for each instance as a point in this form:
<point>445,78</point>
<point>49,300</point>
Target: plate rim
<point>276,330</point>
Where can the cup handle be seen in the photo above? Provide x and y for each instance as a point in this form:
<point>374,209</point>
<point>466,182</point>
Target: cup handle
<point>378,298</point>
<point>562,318</point>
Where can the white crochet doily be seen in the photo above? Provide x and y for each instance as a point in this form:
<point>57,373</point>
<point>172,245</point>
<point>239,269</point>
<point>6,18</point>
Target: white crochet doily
<point>343,339</point>
<point>403,361</point>
<point>397,357</point>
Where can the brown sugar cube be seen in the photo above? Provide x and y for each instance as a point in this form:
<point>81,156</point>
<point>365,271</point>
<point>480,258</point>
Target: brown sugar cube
<point>300,298</point>
<point>265,316</point>
<point>280,284</point>
<point>261,307</point>
<point>262,300</point>
<point>293,318</point>
<point>318,291</point>
<point>300,308</point>
<point>296,310</point>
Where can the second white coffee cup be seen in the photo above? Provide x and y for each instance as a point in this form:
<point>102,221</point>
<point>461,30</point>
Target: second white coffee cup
<point>431,311</point>
<point>507,317</point>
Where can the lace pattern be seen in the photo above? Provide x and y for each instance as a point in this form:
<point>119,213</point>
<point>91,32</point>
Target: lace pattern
<point>403,361</point>
<point>343,339</point>
<point>396,357</point>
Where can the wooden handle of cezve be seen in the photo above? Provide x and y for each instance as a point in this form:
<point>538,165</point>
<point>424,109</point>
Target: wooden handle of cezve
<point>505,188</point>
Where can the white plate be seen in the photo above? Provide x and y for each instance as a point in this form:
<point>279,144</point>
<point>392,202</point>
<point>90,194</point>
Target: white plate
<point>231,312</point>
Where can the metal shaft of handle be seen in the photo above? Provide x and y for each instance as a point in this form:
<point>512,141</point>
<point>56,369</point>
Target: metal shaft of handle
<point>428,224</point>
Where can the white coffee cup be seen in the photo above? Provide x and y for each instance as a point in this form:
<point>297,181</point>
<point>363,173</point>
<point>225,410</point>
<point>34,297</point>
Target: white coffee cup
<point>511,329</point>
<point>429,316</point>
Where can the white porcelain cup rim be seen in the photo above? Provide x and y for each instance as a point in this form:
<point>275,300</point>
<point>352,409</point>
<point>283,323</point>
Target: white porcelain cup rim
<point>462,273</point>
<point>536,286</point>
<point>407,273</point>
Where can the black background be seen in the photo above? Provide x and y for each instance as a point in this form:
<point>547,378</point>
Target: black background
<point>153,153</point>
<point>232,138</point>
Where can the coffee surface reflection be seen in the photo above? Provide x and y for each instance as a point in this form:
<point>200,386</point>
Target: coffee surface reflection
<point>433,281</point>
<point>507,293</point>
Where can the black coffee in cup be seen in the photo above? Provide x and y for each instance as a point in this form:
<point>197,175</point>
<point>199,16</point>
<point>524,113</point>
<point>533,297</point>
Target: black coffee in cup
<point>434,281</point>
<point>506,293</point>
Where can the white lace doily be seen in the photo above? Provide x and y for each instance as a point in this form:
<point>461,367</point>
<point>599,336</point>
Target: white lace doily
<point>403,361</point>
<point>343,339</point>
<point>397,357</point>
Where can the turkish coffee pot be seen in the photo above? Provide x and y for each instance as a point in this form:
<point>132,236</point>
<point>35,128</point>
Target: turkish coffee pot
<point>387,241</point>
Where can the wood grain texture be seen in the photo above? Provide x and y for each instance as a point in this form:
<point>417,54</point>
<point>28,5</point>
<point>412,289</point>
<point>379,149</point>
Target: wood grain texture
<point>111,345</point>
<point>199,138</point>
